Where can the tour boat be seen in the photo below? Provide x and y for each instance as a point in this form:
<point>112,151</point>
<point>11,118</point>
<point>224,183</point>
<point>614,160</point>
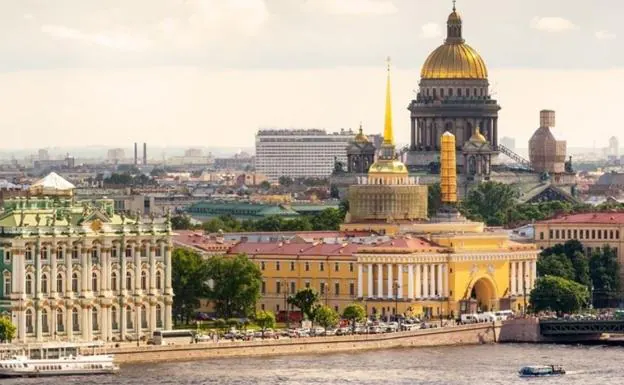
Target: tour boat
<point>546,370</point>
<point>56,360</point>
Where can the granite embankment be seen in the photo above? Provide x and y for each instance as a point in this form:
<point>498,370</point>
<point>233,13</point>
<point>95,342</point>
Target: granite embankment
<point>456,335</point>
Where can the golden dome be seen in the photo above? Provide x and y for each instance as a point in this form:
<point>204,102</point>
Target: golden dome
<point>454,61</point>
<point>388,167</point>
<point>360,137</point>
<point>478,137</point>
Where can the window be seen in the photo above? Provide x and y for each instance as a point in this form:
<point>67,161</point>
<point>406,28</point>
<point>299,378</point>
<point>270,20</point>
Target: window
<point>550,234</point>
<point>593,235</point>
<point>336,288</point>
<point>44,283</point>
<point>599,234</point>
<point>94,254</point>
<point>158,251</point>
<point>75,253</point>
<point>322,288</point>
<point>29,285</point>
<point>143,251</point>
<point>617,234</point>
<point>278,287</point>
<point>59,283</point>
<point>28,253</point>
<point>75,283</point>
<point>128,280</point>
<point>44,253</point>
<point>450,92</point>
<point>94,281</point>
<point>44,321</point>
<point>292,266</point>
<point>541,235</point>
<point>7,284</point>
<point>158,280</point>
<point>604,234</point>
<point>114,251</point>
<point>277,266</point>
<point>441,92</point>
<point>459,92</point>
<point>143,280</point>
<point>159,322</point>
<point>307,266</point>
<point>59,320</point>
<point>261,265</point>
<point>29,321</point>
<point>263,288</point>
<point>114,281</point>
<point>7,256</point>
<point>336,266</point>
<point>351,267</point>
<point>94,319</point>
<point>575,234</point>
<point>351,289</point>
<point>75,320</point>
<point>586,234</point>
<point>307,284</point>
<point>293,288</point>
<point>128,251</point>
<point>322,266</point>
<point>59,253</point>
<point>557,234</point>
<point>277,308</point>
<point>114,318</point>
<point>581,234</point>
<point>569,234</point>
<point>143,317</point>
<point>129,317</point>
<point>610,234</point>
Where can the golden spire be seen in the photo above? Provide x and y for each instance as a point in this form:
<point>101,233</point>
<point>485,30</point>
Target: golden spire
<point>388,134</point>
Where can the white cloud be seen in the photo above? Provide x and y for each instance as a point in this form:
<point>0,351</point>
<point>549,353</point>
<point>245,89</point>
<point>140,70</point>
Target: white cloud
<point>604,35</point>
<point>430,30</point>
<point>113,40</point>
<point>352,7</point>
<point>552,24</point>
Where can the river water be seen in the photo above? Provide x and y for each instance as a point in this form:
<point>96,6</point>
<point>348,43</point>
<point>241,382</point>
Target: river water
<point>473,365</point>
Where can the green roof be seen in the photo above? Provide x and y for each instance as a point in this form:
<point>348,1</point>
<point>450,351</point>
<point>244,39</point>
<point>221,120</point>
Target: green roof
<point>242,210</point>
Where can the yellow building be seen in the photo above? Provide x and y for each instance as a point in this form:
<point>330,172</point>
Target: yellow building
<point>593,230</point>
<point>439,267</point>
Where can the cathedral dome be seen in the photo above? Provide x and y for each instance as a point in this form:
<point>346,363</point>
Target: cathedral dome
<point>454,59</point>
<point>360,137</point>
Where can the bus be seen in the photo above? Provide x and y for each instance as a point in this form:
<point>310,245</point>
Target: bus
<point>173,337</point>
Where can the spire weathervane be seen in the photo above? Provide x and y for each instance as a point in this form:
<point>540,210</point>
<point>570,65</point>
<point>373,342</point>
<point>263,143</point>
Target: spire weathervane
<point>388,134</point>
<point>454,1</point>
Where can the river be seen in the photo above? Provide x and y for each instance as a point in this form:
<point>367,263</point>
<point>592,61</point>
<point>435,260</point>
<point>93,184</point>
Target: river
<point>473,365</point>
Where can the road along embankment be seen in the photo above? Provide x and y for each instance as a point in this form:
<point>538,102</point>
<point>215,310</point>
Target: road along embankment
<point>455,335</point>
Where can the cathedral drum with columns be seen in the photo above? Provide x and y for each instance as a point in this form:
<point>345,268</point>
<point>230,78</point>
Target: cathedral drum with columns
<point>76,271</point>
<point>453,96</point>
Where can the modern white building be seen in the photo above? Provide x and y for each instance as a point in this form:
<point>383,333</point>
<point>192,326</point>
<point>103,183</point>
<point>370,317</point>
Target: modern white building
<point>309,153</point>
<point>74,271</point>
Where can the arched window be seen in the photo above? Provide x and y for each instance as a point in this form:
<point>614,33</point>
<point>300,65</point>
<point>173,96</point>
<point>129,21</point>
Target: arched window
<point>129,251</point>
<point>44,321</point>
<point>44,283</point>
<point>59,320</point>
<point>143,251</point>
<point>158,316</point>
<point>128,280</point>
<point>75,253</point>
<point>114,318</point>
<point>94,319</point>
<point>143,280</point>
<point>75,282</point>
<point>28,253</point>
<point>94,281</point>
<point>29,285</point>
<point>7,284</point>
<point>75,320</point>
<point>114,281</point>
<point>29,321</point>
<point>59,283</point>
<point>129,317</point>
<point>143,317</point>
<point>59,253</point>
<point>158,279</point>
<point>44,253</point>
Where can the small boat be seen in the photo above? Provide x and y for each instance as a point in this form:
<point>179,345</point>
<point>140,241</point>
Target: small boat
<point>55,360</point>
<point>545,370</point>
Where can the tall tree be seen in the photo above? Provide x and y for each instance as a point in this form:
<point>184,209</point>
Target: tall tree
<point>181,222</point>
<point>489,202</point>
<point>354,313</point>
<point>605,275</point>
<point>266,320</point>
<point>574,252</point>
<point>189,277</point>
<point>558,294</point>
<point>305,300</point>
<point>7,329</point>
<point>326,317</point>
<point>434,198</point>
<point>328,219</point>
<point>556,265</point>
<point>235,285</point>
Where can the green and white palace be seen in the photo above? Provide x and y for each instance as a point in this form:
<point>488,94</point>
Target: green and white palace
<point>75,271</point>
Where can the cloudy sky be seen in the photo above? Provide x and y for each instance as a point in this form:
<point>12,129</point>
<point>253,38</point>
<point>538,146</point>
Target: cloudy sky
<point>211,72</point>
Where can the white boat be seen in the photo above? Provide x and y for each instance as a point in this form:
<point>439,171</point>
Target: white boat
<point>55,360</point>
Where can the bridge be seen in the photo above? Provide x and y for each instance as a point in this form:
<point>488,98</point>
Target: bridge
<point>553,328</point>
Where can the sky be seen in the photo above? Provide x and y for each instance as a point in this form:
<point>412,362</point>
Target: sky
<point>212,72</point>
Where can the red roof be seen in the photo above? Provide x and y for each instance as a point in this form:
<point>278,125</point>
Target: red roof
<point>589,218</point>
<point>406,244</point>
<point>285,248</point>
<point>199,241</point>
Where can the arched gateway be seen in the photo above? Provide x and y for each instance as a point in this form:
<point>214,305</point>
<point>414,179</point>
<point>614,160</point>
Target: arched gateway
<point>480,296</point>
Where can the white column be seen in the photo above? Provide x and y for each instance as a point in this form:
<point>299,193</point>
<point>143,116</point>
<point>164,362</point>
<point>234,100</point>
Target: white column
<point>152,323</point>
<point>137,269</point>
<point>103,314</point>
<point>152,269</point>
<point>86,271</point>
<point>525,276</point>
<point>440,293</point>
<point>67,253</point>
<point>360,288</point>
<point>69,325</point>
<point>425,281</point>
<point>533,273</point>
<point>86,323</point>
<point>513,285</point>
<point>400,279</point>
<point>53,272</point>
<point>410,281</point>
<point>379,280</point>
<point>418,281</point>
<point>447,276</point>
<point>390,281</point>
<point>369,275</point>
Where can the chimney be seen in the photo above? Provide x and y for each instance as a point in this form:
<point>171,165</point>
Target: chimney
<point>144,153</point>
<point>136,154</point>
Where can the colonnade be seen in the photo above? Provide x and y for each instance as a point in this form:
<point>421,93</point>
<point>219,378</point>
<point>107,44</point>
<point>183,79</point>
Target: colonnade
<point>424,281</point>
<point>522,277</point>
